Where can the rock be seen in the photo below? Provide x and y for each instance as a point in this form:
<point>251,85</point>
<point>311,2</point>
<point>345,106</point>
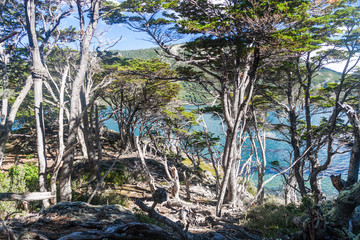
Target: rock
<point>355,220</point>
<point>217,236</point>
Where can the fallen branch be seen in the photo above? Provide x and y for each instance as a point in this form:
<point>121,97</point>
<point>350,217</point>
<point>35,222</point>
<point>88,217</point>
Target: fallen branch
<point>32,196</point>
<point>102,179</point>
<point>162,219</point>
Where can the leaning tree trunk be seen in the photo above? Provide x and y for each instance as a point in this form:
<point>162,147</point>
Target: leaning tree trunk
<point>6,128</point>
<point>150,179</point>
<point>38,74</point>
<point>353,172</point>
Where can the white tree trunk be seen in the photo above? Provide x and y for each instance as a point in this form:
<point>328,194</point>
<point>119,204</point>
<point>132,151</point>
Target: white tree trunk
<point>6,128</point>
<point>38,73</point>
<point>150,179</point>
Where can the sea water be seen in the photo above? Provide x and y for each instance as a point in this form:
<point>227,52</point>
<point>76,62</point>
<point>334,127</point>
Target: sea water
<point>275,151</point>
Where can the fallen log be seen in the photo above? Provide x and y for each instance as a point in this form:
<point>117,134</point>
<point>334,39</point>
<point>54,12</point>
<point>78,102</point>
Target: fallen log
<point>32,196</point>
<point>162,219</point>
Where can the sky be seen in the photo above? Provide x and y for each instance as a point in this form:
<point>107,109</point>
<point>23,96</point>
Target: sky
<point>130,40</point>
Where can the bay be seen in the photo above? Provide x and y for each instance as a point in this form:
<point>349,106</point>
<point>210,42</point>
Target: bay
<point>275,151</point>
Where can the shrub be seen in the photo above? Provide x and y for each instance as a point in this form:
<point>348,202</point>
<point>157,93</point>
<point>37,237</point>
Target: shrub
<point>19,179</point>
<point>115,177</point>
<point>273,219</point>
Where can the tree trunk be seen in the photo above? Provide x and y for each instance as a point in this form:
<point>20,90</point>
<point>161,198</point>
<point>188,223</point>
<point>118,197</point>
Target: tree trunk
<point>38,74</point>
<point>97,135</point>
<point>228,162</point>
<point>176,184</point>
<point>88,137</point>
<point>67,168</point>
<point>40,133</point>
<point>149,177</point>
<point>295,143</point>
<point>290,188</point>
<point>60,136</point>
<point>6,128</point>
<point>353,172</point>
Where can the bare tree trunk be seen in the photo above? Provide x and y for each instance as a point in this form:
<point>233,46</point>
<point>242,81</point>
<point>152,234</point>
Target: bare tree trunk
<point>86,36</point>
<point>6,128</point>
<point>261,160</point>
<point>40,133</point>
<point>290,189</point>
<point>5,81</point>
<point>173,176</point>
<point>97,134</point>
<point>38,73</point>
<point>88,137</point>
<point>176,184</point>
<point>60,135</point>
<point>353,172</point>
<point>81,139</point>
<point>149,177</point>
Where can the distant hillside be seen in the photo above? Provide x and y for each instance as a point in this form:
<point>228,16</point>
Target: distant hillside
<point>324,76</point>
<point>147,53</point>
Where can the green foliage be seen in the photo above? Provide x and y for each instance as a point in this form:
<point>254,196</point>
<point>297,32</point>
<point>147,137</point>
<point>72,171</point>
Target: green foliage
<point>19,179</point>
<point>145,54</point>
<point>117,177</point>
<point>144,218</point>
<point>24,178</point>
<point>141,90</point>
<point>307,202</point>
<point>273,219</point>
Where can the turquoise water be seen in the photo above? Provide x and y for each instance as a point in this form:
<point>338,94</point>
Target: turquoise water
<point>275,151</point>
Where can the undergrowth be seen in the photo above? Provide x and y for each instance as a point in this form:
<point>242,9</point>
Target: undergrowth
<point>273,219</point>
<point>18,179</point>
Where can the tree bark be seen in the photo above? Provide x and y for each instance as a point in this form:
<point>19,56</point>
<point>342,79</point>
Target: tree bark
<point>33,196</point>
<point>61,150</point>
<point>149,177</point>
<point>39,73</point>
<point>67,168</point>
<point>176,184</point>
<point>353,172</point>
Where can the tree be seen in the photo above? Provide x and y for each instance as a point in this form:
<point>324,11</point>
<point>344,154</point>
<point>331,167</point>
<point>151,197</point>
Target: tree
<point>9,38</point>
<point>346,17</point>
<point>141,90</point>
<point>39,71</point>
<point>232,39</point>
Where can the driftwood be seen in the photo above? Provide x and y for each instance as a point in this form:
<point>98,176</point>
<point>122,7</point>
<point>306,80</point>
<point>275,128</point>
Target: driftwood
<point>162,219</point>
<point>32,196</point>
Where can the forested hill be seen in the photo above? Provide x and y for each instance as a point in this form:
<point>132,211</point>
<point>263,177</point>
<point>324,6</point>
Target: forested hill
<point>194,93</point>
<point>147,53</point>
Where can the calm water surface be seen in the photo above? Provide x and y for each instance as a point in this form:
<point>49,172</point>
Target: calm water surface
<point>275,151</point>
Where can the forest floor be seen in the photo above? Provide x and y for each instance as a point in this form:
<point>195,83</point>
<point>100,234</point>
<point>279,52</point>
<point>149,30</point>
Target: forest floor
<point>116,213</point>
